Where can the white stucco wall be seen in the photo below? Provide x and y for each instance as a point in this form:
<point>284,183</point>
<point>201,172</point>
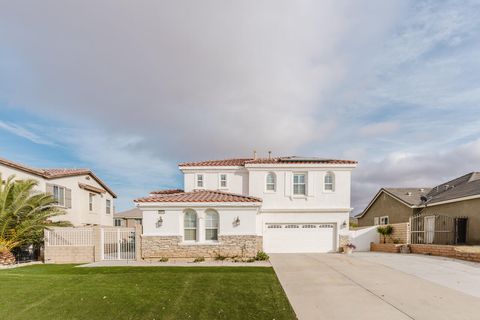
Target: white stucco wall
<point>173,220</point>
<point>237,179</point>
<point>79,214</point>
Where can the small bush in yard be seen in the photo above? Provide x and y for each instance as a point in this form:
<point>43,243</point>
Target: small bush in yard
<point>219,257</point>
<point>199,259</point>
<point>261,256</point>
<point>385,232</point>
<point>163,259</point>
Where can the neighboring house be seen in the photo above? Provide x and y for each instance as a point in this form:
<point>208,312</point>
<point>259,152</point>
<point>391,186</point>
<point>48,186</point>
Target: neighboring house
<point>129,218</point>
<point>86,199</point>
<point>241,206</point>
<point>458,199</point>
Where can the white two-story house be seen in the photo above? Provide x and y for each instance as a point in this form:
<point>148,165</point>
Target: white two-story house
<point>242,206</point>
<point>86,199</point>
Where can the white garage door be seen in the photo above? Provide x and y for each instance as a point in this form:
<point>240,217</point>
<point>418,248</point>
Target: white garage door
<point>299,237</point>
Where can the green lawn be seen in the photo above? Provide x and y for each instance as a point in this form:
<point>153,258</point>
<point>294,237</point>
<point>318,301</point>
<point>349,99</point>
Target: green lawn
<point>66,292</point>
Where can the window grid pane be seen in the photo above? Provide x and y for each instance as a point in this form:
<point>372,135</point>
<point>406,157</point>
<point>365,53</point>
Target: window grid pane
<point>211,234</point>
<point>190,234</point>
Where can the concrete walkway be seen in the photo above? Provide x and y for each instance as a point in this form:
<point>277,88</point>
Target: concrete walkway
<point>336,286</point>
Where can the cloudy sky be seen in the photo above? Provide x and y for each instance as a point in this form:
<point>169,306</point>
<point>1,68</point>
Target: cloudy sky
<point>130,88</point>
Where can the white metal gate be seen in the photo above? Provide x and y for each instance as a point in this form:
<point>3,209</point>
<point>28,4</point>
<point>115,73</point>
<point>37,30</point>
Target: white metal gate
<point>118,244</point>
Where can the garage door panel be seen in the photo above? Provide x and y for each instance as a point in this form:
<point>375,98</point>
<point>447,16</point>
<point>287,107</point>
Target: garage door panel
<point>296,237</point>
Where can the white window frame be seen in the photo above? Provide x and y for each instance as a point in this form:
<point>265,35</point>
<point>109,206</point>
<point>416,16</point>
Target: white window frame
<point>213,226</point>
<point>91,201</point>
<point>332,183</point>
<point>380,222</point>
<point>190,228</point>
<point>56,195</point>
<point>108,206</point>
<point>304,194</point>
<point>202,180</point>
<point>274,183</point>
<point>221,181</point>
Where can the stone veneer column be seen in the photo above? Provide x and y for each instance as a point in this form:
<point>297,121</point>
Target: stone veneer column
<point>138,242</point>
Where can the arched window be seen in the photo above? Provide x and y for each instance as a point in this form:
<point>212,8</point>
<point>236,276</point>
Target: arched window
<point>329,182</point>
<point>211,225</point>
<point>190,226</point>
<point>271,182</point>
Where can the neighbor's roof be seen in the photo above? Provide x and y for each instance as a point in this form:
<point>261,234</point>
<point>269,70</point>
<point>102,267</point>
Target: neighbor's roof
<point>54,173</point>
<point>132,213</point>
<point>277,160</point>
<point>199,196</point>
<point>410,196</point>
<point>464,186</point>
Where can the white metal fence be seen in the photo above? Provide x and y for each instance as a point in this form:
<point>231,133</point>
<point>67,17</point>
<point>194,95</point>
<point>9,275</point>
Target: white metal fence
<point>69,237</point>
<point>118,244</point>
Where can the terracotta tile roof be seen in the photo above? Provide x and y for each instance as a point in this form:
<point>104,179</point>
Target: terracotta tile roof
<point>277,160</point>
<point>199,196</point>
<point>91,188</point>
<point>167,191</point>
<point>53,173</point>
<point>215,163</point>
<point>64,172</point>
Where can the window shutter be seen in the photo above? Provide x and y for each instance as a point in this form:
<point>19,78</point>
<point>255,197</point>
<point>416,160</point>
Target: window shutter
<point>68,198</point>
<point>50,189</point>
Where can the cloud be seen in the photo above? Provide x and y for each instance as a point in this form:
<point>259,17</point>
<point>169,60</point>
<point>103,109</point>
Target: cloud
<point>389,83</point>
<point>379,129</point>
<point>24,133</point>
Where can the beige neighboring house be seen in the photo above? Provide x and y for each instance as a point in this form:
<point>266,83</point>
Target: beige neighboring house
<point>129,218</point>
<point>458,198</point>
<point>86,199</point>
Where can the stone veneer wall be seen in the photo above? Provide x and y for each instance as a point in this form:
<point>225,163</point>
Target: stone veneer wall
<point>69,254</point>
<point>154,247</point>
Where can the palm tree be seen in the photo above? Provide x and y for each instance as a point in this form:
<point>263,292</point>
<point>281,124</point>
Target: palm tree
<point>24,215</point>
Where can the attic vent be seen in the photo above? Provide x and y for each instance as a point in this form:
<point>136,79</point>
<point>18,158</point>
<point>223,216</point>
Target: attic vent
<point>421,190</point>
<point>446,186</point>
<point>408,193</point>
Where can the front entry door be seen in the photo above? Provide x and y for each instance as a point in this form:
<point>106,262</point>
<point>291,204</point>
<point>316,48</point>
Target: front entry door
<point>429,229</point>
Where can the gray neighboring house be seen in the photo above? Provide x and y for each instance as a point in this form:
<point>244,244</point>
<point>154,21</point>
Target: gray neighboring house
<point>129,218</point>
<point>458,198</point>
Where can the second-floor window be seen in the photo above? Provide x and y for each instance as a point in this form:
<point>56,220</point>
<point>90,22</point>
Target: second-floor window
<point>199,180</point>
<point>59,195</point>
<point>329,182</point>
<point>118,222</point>
<point>90,201</point>
<point>108,206</point>
<point>223,180</point>
<point>270,183</point>
<point>299,187</point>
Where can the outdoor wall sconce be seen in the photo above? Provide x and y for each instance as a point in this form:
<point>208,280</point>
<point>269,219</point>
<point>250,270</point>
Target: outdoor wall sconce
<point>159,222</point>
<point>344,224</point>
<point>236,221</point>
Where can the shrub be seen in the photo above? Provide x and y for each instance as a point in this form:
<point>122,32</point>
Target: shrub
<point>219,257</point>
<point>385,232</point>
<point>251,260</point>
<point>199,259</point>
<point>163,259</point>
<point>261,256</point>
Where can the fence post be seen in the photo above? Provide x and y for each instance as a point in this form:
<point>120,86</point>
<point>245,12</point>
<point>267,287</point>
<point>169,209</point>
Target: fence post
<point>119,257</point>
<point>408,230</point>
<point>138,242</point>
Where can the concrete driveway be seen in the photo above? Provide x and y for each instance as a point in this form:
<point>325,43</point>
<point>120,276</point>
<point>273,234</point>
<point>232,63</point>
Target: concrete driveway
<point>379,286</point>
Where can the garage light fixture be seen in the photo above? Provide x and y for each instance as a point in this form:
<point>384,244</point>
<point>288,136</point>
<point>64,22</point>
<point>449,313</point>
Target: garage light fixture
<point>236,221</point>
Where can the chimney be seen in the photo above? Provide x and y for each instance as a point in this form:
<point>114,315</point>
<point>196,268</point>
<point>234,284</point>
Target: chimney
<point>269,155</point>
<point>254,155</point>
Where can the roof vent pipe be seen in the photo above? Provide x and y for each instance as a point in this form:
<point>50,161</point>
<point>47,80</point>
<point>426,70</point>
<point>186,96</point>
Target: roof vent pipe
<point>269,155</point>
<point>254,155</point>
